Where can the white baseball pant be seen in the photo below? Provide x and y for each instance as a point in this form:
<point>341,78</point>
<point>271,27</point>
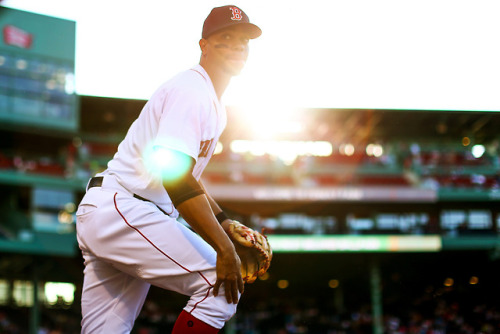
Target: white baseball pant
<point>128,244</point>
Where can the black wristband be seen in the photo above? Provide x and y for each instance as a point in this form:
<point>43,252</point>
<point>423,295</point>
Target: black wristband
<point>221,216</point>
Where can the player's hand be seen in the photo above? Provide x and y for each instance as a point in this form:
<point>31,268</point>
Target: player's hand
<point>229,275</point>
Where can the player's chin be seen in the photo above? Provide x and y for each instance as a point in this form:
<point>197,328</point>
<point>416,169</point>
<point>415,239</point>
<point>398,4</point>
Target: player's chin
<point>235,66</point>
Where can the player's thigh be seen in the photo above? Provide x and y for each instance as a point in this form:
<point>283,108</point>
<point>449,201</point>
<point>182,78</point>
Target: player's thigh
<point>140,240</point>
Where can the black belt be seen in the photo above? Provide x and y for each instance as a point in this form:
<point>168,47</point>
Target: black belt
<point>96,181</point>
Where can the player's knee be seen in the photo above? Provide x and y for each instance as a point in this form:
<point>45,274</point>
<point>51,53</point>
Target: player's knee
<point>229,312</point>
<point>215,311</point>
<point>216,315</point>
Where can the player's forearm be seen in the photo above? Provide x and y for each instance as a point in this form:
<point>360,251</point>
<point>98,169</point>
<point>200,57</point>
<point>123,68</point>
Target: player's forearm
<point>215,207</point>
<point>213,204</point>
<point>198,213</point>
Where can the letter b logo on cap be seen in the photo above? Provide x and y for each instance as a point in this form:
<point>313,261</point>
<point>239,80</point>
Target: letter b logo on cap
<point>236,14</point>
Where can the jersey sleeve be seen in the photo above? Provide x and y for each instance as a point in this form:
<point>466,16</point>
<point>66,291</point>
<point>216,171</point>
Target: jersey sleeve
<point>181,119</point>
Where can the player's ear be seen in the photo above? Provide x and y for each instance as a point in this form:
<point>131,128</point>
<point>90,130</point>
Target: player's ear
<point>203,44</point>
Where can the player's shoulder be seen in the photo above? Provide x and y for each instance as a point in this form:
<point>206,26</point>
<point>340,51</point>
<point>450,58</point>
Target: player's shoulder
<point>189,86</point>
<point>191,80</point>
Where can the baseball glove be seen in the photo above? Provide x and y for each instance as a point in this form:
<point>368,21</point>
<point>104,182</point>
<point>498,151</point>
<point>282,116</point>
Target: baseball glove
<point>253,249</point>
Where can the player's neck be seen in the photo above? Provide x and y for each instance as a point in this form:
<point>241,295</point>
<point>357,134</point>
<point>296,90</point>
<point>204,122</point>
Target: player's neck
<point>220,86</point>
<point>220,80</point>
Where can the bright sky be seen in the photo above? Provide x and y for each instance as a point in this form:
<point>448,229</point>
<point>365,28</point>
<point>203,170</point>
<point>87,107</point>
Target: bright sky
<point>395,54</point>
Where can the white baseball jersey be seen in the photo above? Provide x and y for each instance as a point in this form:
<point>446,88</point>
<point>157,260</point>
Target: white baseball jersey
<point>184,114</point>
<point>126,242</point>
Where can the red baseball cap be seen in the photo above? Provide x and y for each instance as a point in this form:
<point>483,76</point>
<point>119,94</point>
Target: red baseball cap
<point>227,16</point>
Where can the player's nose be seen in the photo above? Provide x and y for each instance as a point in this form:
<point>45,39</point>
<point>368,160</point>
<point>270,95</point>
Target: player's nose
<point>239,44</point>
<point>240,47</point>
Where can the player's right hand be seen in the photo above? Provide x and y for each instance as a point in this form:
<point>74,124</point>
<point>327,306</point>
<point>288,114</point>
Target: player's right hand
<point>229,276</point>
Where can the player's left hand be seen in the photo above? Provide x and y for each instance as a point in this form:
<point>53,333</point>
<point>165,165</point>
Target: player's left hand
<point>229,275</point>
<point>253,249</point>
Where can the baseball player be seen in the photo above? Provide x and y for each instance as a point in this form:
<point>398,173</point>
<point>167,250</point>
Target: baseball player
<point>126,222</point>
